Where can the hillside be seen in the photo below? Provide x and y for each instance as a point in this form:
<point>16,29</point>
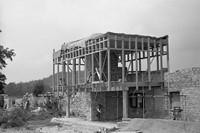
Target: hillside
<point>19,89</point>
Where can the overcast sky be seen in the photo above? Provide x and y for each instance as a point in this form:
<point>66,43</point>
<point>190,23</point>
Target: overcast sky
<point>33,28</point>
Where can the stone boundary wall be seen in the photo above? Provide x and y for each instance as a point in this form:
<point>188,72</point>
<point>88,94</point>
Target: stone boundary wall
<point>187,82</point>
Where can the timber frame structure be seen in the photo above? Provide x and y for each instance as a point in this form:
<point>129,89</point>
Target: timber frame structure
<point>110,62</point>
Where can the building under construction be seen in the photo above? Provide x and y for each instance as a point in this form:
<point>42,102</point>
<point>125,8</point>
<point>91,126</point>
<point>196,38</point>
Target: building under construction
<point>122,72</point>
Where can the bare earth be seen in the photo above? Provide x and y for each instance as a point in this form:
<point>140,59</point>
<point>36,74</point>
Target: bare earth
<point>76,125</point>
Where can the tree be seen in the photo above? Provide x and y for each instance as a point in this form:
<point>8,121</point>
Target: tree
<point>5,53</point>
<point>39,88</point>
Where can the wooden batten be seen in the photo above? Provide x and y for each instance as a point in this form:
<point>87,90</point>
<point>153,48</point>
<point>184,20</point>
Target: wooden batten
<point>100,67</point>
<point>58,85</point>
<point>53,79</point>
<point>139,58</point>
<point>168,65</point>
<point>68,91</point>
<point>63,77</point>
<point>149,64</point>
<point>136,63</point>
<point>157,55</point>
<point>85,69</point>
<point>79,70</point>
<point>109,71</point>
<point>161,63</point>
<point>92,70</point>
<point>124,46</point>
<point>132,67</point>
<point>73,75</point>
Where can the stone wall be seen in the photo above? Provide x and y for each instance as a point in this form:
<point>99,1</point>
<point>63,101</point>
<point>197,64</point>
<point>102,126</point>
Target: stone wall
<point>85,104</point>
<point>187,82</point>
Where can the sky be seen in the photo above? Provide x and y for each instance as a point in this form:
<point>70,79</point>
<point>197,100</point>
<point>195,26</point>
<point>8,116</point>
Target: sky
<point>33,28</point>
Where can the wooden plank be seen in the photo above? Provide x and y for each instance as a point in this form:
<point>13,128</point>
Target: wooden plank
<point>109,71</point>
<point>100,67</point>
<point>149,64</point>
<point>168,65</point>
<point>92,70</point>
<point>123,65</point>
<point>85,69</point>
<point>68,91</point>
<point>157,56</point>
<point>73,74</point>
<point>132,63</point>
<point>63,77</point>
<point>53,77</point>
<point>136,63</point>
<point>140,64</point>
<point>79,70</point>
<point>161,63</point>
<point>133,84</point>
<point>57,79</point>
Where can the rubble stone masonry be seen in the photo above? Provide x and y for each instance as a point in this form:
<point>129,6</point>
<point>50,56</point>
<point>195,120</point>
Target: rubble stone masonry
<point>187,82</point>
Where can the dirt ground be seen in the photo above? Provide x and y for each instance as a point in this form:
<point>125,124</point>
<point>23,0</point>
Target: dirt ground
<point>46,126</point>
<point>73,125</point>
<point>30,127</point>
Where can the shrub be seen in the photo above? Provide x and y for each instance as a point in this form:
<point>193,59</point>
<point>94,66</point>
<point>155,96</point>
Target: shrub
<point>14,118</point>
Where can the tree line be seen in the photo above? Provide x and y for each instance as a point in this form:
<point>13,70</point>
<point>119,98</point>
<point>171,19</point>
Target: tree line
<point>19,89</point>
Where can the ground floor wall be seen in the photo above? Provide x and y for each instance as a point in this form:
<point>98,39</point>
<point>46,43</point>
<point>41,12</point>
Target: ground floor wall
<point>151,104</point>
<point>188,101</point>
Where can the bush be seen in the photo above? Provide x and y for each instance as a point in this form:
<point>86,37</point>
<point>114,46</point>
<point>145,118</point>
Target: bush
<point>42,115</point>
<point>14,118</point>
<point>39,88</point>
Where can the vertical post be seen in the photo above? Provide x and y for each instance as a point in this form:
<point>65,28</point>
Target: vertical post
<point>68,91</point>
<point>136,63</point>
<point>73,75</point>
<point>140,52</point>
<point>157,55</point>
<point>58,85</point>
<point>92,70</point>
<point>140,66</point>
<point>149,63</point>
<point>168,65</point>
<point>168,69</point>
<point>53,77</point>
<point>132,63</point>
<point>79,70</point>
<point>100,65</point>
<point>63,77</point>
<point>161,63</point>
<point>85,71</point>
<point>124,90</point>
<point>123,67</point>
<point>108,61</point>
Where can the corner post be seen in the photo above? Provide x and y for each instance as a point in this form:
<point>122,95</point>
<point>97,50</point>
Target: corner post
<point>68,92</point>
<point>149,63</point>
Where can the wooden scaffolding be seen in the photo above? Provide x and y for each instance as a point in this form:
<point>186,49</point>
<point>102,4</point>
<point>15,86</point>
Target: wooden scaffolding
<point>110,62</point>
